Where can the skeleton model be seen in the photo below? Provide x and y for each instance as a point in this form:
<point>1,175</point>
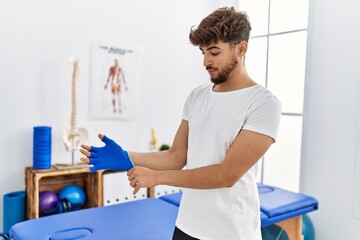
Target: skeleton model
<point>73,137</point>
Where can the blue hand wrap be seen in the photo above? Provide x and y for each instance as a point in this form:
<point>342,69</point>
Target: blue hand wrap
<point>111,156</point>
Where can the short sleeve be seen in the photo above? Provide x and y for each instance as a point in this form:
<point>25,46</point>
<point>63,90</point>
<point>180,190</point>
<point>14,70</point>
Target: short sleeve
<point>264,117</point>
<point>186,110</point>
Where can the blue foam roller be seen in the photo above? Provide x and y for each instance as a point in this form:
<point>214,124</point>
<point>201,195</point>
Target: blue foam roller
<point>42,147</point>
<point>14,209</point>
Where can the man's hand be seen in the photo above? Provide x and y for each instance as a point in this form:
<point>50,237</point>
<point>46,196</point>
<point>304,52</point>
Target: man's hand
<point>111,156</point>
<point>140,177</point>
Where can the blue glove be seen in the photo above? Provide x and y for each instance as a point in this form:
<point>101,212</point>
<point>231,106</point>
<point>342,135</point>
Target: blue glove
<point>111,156</point>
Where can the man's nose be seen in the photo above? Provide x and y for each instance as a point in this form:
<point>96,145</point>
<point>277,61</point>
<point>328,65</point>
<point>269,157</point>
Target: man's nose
<point>207,61</point>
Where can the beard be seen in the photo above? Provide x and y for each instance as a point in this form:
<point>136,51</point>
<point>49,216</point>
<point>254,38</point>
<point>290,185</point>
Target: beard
<point>224,73</point>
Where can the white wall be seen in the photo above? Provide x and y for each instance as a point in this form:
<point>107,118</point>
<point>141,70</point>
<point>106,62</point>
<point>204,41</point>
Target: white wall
<point>37,39</point>
<point>331,115</point>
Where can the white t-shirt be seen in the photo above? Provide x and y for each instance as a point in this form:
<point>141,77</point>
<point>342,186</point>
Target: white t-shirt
<point>215,119</point>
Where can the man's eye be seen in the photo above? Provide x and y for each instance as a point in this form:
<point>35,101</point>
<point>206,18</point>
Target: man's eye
<point>214,54</point>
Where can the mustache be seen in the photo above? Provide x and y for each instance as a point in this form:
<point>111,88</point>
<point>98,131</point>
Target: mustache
<point>209,68</point>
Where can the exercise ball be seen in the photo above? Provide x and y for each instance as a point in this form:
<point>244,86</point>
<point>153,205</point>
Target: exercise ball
<point>273,232</point>
<point>47,201</point>
<point>308,230</point>
<point>74,194</point>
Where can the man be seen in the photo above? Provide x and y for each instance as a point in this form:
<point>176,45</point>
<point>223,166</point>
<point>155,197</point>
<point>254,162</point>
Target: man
<point>115,77</point>
<point>227,126</point>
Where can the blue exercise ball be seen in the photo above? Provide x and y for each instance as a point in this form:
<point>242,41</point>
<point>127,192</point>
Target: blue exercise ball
<point>273,232</point>
<point>74,194</point>
<point>308,230</point>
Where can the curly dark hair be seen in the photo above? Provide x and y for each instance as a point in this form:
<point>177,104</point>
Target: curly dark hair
<point>224,24</point>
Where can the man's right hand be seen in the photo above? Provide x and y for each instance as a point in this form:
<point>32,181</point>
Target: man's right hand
<point>111,156</point>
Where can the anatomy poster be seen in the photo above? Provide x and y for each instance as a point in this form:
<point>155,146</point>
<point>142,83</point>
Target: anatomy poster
<point>113,81</point>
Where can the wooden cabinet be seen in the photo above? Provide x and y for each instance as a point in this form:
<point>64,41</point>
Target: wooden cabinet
<point>54,180</point>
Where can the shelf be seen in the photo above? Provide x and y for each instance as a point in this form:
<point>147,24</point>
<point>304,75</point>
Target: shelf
<point>54,180</point>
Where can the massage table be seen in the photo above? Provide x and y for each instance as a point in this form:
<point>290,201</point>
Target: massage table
<point>145,219</point>
<point>277,206</point>
<point>154,218</point>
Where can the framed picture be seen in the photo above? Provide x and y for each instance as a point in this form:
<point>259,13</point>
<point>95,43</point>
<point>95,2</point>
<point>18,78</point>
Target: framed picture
<point>113,81</point>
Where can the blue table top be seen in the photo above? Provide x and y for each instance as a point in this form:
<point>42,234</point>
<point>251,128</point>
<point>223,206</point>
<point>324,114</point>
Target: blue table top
<point>145,219</point>
<point>148,219</point>
<point>276,204</point>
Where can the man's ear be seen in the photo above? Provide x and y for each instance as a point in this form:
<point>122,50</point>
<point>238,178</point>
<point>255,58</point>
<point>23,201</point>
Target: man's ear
<point>242,48</point>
